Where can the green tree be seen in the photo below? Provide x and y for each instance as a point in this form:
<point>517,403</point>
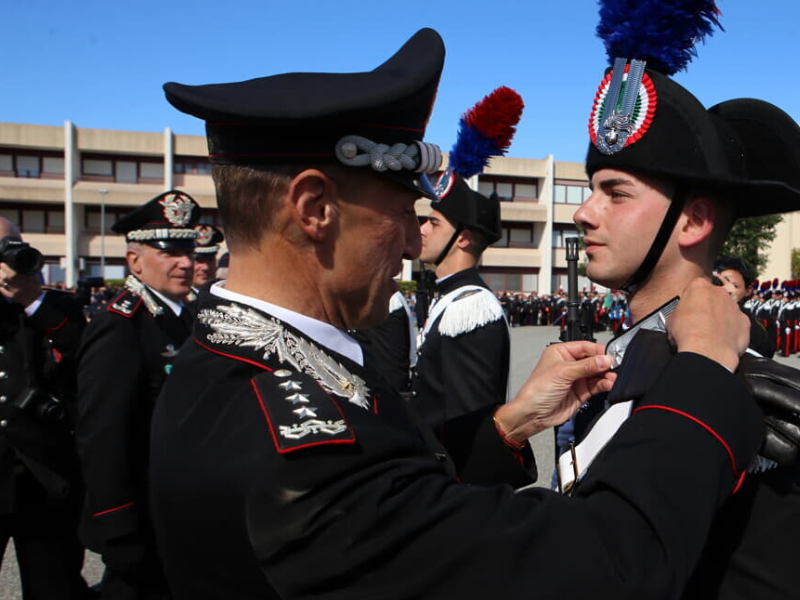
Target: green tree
<point>795,263</point>
<point>750,238</point>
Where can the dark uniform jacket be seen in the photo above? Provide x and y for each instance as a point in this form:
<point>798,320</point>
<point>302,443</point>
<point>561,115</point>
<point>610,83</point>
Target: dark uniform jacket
<point>463,362</point>
<point>752,548</point>
<point>125,358</point>
<point>387,347</point>
<point>279,469</point>
<point>38,352</point>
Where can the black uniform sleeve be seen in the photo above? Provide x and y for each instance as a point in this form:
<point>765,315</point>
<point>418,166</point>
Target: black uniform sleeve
<point>111,369</point>
<point>352,523</point>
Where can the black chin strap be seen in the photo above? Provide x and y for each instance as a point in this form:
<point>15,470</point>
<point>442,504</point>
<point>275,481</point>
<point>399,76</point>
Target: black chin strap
<point>659,243</point>
<point>443,255</point>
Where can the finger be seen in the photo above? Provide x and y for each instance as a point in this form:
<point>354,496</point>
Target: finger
<point>580,349</point>
<point>587,367</point>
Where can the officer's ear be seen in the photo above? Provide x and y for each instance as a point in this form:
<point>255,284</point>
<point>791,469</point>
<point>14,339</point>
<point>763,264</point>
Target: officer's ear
<point>314,203</point>
<point>134,257</point>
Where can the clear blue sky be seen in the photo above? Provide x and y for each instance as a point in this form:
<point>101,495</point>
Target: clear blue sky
<point>102,64</point>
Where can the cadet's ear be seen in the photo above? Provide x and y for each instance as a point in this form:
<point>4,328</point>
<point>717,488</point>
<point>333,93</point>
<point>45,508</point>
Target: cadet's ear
<point>314,202</point>
<point>698,223</point>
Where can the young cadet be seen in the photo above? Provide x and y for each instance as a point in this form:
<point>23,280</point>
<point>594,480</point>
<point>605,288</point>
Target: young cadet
<point>665,191</point>
<point>281,467</point>
<point>125,357</point>
<point>463,357</point>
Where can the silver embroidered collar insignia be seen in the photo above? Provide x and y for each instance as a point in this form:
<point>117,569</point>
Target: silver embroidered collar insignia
<point>245,327</point>
<point>133,284</point>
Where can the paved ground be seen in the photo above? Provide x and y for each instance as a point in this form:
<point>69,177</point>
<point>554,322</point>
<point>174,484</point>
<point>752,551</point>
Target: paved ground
<point>527,344</point>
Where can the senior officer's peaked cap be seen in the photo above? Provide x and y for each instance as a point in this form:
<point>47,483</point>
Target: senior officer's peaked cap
<point>208,240</point>
<point>373,119</point>
<point>166,221</point>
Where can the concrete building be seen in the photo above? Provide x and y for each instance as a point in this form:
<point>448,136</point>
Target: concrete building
<point>65,187</point>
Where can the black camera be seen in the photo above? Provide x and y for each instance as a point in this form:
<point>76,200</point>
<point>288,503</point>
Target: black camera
<point>20,256</point>
<point>42,405</point>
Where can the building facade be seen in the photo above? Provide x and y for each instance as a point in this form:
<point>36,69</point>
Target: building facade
<point>65,187</point>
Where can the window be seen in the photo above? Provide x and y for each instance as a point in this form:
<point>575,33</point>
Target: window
<point>192,165</point>
<point>98,167</point>
<point>509,189</point>
<point>28,166</point>
<point>570,194</point>
<point>126,172</point>
<point>560,235</point>
<point>149,170</point>
<point>6,162</point>
<point>53,165</point>
<point>516,235</point>
<point>33,221</point>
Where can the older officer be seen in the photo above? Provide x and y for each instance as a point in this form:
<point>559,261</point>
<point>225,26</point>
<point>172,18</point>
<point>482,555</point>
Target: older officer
<point>205,257</point>
<point>282,468</point>
<point>125,358</point>
<point>39,490</point>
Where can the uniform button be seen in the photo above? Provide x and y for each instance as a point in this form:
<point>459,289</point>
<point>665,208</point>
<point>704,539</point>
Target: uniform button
<point>414,393</point>
<point>3,375</point>
<point>4,423</point>
<point>3,399</point>
<point>2,349</point>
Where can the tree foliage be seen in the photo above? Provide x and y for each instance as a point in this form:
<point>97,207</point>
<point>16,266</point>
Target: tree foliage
<point>749,239</point>
<point>795,263</point>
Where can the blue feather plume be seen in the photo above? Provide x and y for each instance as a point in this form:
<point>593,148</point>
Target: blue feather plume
<point>471,152</point>
<point>662,32</point>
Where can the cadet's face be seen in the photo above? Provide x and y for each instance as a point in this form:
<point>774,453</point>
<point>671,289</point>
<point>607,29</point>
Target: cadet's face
<point>436,232</point>
<point>620,220</point>
<point>167,271</point>
<point>378,228</point>
<point>205,267</point>
<point>733,282</point>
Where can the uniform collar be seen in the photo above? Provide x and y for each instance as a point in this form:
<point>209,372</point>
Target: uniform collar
<point>319,331</point>
<point>461,278</point>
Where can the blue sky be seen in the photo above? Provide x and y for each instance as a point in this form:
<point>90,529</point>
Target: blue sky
<point>102,64</point>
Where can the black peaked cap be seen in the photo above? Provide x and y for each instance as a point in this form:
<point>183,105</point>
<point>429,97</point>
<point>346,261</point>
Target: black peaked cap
<point>166,221</point>
<point>297,118</point>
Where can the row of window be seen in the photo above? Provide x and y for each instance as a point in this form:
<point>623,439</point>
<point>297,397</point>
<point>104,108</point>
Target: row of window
<point>98,167</point>
<point>50,219</point>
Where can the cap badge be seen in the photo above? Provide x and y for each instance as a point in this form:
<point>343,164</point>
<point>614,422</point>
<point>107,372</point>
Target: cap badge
<point>177,209</point>
<point>445,183</point>
<point>623,107</point>
<point>204,234</point>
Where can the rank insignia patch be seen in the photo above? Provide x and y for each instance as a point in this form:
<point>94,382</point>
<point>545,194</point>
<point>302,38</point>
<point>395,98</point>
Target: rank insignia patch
<point>299,413</point>
<point>126,305</point>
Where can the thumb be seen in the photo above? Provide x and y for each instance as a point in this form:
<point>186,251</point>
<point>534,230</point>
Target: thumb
<point>587,367</point>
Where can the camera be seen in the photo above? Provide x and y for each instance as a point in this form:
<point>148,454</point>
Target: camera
<point>41,404</point>
<point>20,256</point>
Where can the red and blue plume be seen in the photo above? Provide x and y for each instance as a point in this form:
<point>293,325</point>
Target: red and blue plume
<point>485,131</point>
<point>661,32</point>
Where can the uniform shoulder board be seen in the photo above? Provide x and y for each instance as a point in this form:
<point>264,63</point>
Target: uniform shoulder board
<point>126,304</point>
<point>299,413</point>
<point>469,311</point>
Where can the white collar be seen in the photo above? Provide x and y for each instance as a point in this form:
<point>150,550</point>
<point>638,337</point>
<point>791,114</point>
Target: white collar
<point>319,331</point>
<point>176,307</point>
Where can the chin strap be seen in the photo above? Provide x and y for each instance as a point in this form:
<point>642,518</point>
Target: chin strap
<point>659,243</point>
<point>443,254</point>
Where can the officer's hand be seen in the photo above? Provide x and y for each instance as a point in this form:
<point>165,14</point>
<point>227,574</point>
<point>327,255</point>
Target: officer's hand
<point>19,288</point>
<point>776,389</point>
<point>708,322</point>
<point>566,376</point>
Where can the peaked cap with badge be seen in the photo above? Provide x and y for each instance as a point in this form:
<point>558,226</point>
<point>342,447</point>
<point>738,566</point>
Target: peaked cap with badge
<point>484,131</point>
<point>370,120</point>
<point>208,240</point>
<point>166,221</point>
<point>744,151</point>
